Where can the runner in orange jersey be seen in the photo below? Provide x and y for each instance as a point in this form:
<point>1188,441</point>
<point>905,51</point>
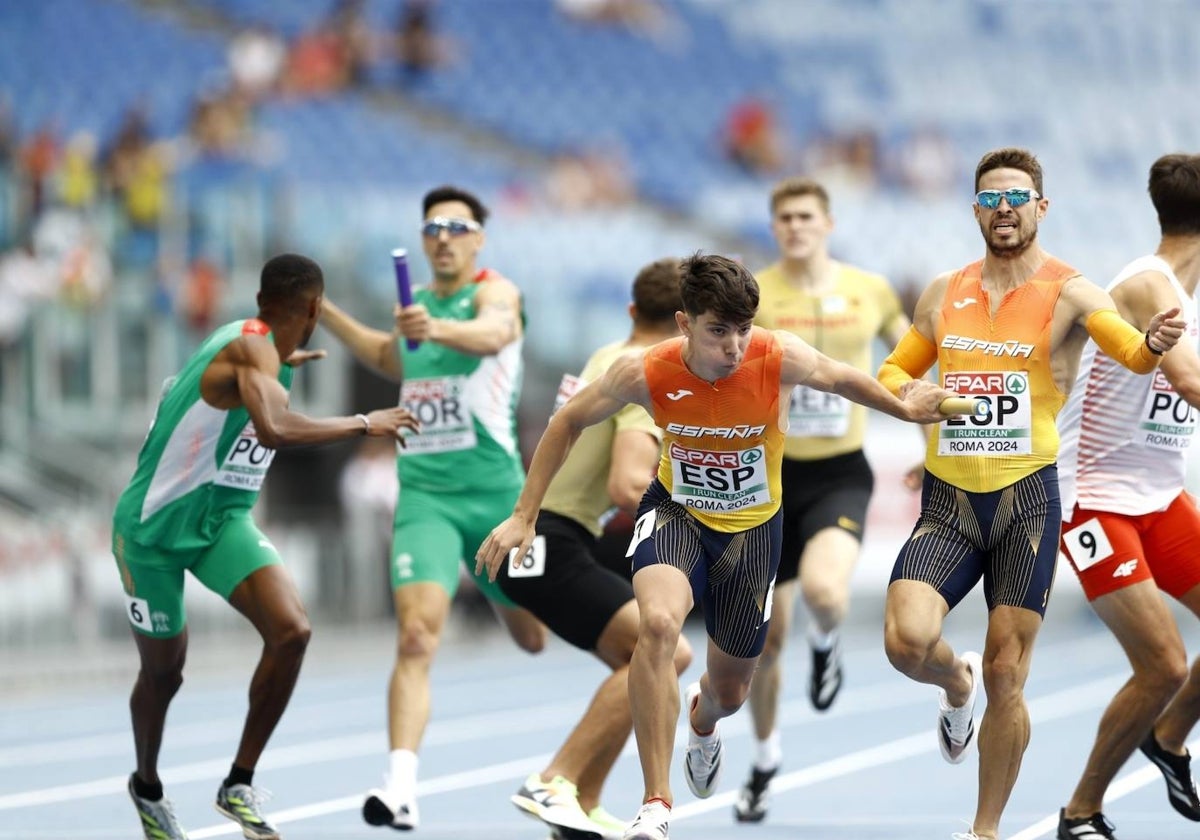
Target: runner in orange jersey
<point>708,528</point>
<point>1008,330</point>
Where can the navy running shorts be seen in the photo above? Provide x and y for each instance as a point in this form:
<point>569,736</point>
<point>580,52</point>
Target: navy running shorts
<point>1007,537</point>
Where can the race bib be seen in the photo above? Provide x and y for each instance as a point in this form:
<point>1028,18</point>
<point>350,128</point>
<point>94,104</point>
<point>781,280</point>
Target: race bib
<point>1005,428</point>
<point>533,564</point>
<point>1166,421</point>
<point>247,462</point>
<point>718,481</point>
<point>441,406</point>
<point>813,413</point>
<point>1087,544</point>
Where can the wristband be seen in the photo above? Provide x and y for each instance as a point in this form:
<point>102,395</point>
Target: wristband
<point>366,423</point>
<point>1150,346</point>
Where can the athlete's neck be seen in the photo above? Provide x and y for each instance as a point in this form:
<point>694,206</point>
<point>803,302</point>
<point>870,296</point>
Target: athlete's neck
<point>694,367</point>
<point>446,286</point>
<point>1002,272</point>
<point>1182,253</point>
<point>647,336</point>
<point>814,274</point>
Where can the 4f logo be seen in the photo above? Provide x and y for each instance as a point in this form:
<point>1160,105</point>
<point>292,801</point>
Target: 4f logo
<point>1125,569</point>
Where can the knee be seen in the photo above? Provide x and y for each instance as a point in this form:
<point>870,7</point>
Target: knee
<point>530,639</point>
<point>290,639</point>
<point>659,628</point>
<point>907,651</point>
<point>729,694</point>
<point>822,596</point>
<point>1004,678</point>
<point>1167,675</point>
<point>772,649</point>
<point>164,681</point>
<point>416,640</point>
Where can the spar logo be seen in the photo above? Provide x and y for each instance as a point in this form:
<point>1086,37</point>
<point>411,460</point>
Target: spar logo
<point>986,384</point>
<point>711,458</point>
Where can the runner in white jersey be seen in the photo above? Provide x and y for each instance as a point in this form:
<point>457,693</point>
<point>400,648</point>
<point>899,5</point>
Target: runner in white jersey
<point>187,508</point>
<point>1131,528</point>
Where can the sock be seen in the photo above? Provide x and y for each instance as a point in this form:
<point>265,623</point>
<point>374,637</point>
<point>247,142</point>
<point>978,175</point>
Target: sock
<point>402,771</point>
<point>821,641</point>
<point>145,790</point>
<point>768,753</point>
<point>238,776</point>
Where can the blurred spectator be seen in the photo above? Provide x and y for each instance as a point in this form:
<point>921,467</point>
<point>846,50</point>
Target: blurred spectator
<point>202,295</point>
<point>23,280</point>
<point>8,134</point>
<point>588,180</point>
<point>220,124</point>
<point>353,35</point>
<point>256,60</point>
<point>927,163</point>
<point>847,161</point>
<point>642,17</point>
<point>315,65</point>
<point>38,159</point>
<point>752,139</point>
<point>76,176</point>
<point>419,49</point>
<point>368,488</point>
<point>75,260</point>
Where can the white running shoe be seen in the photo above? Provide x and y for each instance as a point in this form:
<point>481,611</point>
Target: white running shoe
<point>555,803</point>
<point>650,823</point>
<point>391,808</point>
<point>956,725</point>
<point>702,758</point>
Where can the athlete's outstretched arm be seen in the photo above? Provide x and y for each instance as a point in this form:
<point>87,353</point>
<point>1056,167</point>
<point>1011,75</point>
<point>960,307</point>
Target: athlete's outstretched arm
<point>624,382</point>
<point>251,364</point>
<point>1138,299</point>
<point>497,321</point>
<point>1094,310</point>
<point>375,349</point>
<point>804,365</point>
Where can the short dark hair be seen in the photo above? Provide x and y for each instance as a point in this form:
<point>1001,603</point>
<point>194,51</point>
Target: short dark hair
<point>1175,191</point>
<point>1011,158</point>
<point>655,291</point>
<point>716,284</point>
<point>797,187</point>
<point>446,192</point>
<point>290,280</point>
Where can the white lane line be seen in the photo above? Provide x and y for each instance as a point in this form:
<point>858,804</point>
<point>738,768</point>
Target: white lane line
<point>1060,704</point>
<point>1120,788</point>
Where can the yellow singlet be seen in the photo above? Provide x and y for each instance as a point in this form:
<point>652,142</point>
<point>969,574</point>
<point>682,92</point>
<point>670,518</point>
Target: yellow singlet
<point>842,323</point>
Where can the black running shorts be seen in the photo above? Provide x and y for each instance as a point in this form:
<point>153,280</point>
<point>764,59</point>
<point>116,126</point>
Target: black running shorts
<point>1008,537</point>
<point>563,584</point>
<point>819,494</point>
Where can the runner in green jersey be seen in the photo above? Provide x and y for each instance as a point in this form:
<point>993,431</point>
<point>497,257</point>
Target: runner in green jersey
<point>460,478</point>
<point>187,508</point>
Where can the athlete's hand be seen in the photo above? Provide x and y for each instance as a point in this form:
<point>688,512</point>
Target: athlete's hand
<point>299,357</point>
<point>514,532</point>
<point>1165,330</point>
<point>414,321</point>
<point>923,399</point>
<point>915,477</point>
<point>387,422</point>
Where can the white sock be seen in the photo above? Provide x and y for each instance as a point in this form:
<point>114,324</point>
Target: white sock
<point>402,771</point>
<point>768,753</point>
<point>821,641</point>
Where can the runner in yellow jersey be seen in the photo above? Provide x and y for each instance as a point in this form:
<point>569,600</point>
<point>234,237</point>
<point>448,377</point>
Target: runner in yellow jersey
<point>708,527</point>
<point>1009,331</point>
<point>827,482</point>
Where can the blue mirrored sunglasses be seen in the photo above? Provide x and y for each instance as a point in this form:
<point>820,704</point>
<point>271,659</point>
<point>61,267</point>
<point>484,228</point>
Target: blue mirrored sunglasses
<point>455,227</point>
<point>990,199</point>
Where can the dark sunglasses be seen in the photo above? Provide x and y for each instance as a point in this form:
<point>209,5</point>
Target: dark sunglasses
<point>1016,197</point>
<point>455,227</point>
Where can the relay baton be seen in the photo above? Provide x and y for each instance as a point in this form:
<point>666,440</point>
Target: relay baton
<point>403,286</point>
<point>974,406</point>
